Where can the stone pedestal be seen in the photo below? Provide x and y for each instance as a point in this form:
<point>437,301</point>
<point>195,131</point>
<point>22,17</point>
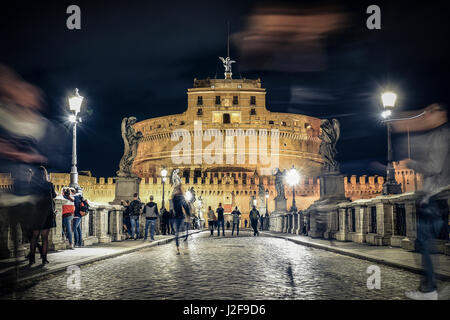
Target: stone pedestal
<point>125,188</point>
<point>279,215</point>
<point>332,192</point>
<point>280,205</point>
<point>332,187</point>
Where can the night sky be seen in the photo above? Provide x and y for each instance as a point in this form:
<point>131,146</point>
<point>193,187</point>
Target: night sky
<point>139,58</point>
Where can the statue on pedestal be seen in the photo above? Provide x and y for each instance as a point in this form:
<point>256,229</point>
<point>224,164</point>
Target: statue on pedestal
<point>279,184</point>
<point>131,140</point>
<point>175,178</point>
<point>329,136</point>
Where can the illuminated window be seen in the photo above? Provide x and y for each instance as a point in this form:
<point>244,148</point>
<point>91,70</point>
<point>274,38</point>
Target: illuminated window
<point>236,117</point>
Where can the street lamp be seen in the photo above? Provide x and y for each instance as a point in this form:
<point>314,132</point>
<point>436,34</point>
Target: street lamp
<point>163,179</point>
<point>292,178</point>
<point>390,186</point>
<point>267,202</point>
<point>75,102</point>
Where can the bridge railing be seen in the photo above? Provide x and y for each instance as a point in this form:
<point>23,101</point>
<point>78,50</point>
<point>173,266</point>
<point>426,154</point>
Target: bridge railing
<point>102,224</point>
<point>384,221</point>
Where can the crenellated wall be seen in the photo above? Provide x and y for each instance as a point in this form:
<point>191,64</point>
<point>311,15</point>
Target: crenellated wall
<point>233,188</point>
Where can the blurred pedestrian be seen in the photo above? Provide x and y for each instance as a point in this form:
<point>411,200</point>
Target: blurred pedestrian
<point>245,223</point>
<point>181,209</point>
<point>135,213</point>
<point>151,215</point>
<point>211,220</point>
<point>236,220</point>
<point>44,217</point>
<point>22,132</point>
<point>431,158</point>
<point>220,220</point>
<point>254,217</point>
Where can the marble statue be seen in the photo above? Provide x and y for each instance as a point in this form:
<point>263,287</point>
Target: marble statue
<point>329,136</point>
<point>131,140</point>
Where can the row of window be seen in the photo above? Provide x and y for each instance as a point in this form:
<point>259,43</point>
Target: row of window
<point>218,100</point>
<point>226,116</point>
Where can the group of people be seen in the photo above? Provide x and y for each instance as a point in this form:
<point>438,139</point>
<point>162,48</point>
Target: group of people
<point>72,214</point>
<point>180,217</point>
<point>215,222</point>
<point>134,209</point>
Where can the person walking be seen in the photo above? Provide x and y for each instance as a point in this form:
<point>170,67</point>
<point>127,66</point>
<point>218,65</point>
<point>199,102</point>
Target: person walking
<point>261,222</point>
<point>245,223</point>
<point>254,217</point>
<point>43,218</point>
<point>68,211</point>
<point>211,220</point>
<point>135,212</point>
<point>151,215</point>
<point>236,220</point>
<point>180,209</point>
<point>431,158</point>
<point>220,220</point>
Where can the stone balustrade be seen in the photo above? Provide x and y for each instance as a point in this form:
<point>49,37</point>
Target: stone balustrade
<point>383,221</point>
<point>103,224</point>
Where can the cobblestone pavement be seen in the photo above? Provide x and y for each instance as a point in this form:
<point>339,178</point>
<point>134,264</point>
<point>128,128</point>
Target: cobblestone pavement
<point>246,267</point>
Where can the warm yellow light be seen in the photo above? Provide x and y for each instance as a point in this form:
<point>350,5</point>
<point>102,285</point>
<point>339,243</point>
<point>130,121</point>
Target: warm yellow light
<point>163,173</point>
<point>292,177</point>
<point>188,196</point>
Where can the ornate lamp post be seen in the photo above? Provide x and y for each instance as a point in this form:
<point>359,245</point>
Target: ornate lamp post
<point>163,179</point>
<point>75,102</point>
<point>292,178</point>
<point>390,186</point>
